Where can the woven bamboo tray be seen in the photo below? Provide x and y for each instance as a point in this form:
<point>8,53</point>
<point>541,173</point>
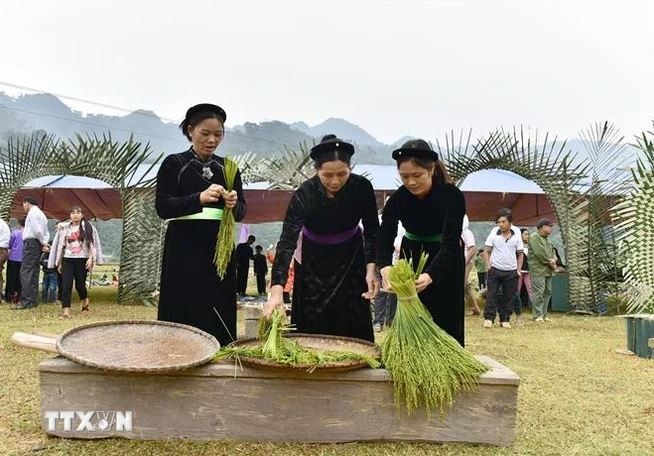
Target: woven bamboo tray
<point>319,342</point>
<point>131,345</point>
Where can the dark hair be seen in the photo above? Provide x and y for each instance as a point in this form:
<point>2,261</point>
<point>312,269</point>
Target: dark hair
<point>505,212</point>
<point>441,176</point>
<point>258,248</point>
<point>21,221</point>
<point>522,230</point>
<point>196,118</point>
<point>429,162</point>
<point>86,230</point>
<point>331,155</point>
<point>30,200</point>
<point>251,238</point>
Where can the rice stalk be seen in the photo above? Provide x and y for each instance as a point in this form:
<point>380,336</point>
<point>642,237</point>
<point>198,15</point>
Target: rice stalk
<point>225,238</point>
<point>274,347</point>
<point>428,367</point>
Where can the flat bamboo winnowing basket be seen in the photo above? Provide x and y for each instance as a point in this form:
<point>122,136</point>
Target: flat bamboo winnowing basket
<point>129,346</point>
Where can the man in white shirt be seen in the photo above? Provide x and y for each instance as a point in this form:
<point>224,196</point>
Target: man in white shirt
<point>35,237</point>
<point>505,249</point>
<point>5,234</point>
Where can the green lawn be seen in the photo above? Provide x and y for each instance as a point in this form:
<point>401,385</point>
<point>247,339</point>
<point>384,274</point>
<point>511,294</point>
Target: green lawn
<point>577,395</point>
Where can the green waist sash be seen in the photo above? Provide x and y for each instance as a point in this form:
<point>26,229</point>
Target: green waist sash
<point>424,238</point>
<point>208,213</point>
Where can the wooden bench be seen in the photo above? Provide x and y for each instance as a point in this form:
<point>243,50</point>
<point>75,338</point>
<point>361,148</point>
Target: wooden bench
<point>217,402</point>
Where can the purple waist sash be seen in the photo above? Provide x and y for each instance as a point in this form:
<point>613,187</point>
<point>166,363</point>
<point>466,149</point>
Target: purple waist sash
<point>331,239</point>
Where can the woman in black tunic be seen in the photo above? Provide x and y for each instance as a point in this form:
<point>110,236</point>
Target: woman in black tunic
<point>431,209</point>
<point>335,270</point>
<point>191,194</point>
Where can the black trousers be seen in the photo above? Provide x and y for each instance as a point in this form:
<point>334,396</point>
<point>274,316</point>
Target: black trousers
<point>508,282</point>
<point>73,269</point>
<point>29,272</point>
<point>242,271</point>
<point>481,277</point>
<point>384,307</point>
<point>261,283</point>
<point>12,285</point>
<point>60,285</point>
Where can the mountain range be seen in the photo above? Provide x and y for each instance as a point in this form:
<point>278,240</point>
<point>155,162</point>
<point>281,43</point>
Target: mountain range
<point>27,113</point>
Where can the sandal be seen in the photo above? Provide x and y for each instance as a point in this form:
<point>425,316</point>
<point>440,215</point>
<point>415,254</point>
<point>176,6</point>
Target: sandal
<point>64,316</point>
<point>85,306</point>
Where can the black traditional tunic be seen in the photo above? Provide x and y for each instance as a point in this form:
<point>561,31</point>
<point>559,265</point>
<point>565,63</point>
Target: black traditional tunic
<point>190,288</point>
<point>440,212</point>
<point>330,278</point>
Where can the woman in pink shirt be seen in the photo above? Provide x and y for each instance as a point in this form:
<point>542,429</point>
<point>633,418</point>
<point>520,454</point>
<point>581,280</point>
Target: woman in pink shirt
<point>75,250</point>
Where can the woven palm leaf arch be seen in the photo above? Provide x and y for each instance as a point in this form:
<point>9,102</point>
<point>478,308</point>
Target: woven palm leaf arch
<point>607,183</point>
<point>635,229</point>
<point>24,159</point>
<point>544,161</point>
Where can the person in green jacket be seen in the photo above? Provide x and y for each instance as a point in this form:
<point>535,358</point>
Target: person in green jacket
<point>542,262</point>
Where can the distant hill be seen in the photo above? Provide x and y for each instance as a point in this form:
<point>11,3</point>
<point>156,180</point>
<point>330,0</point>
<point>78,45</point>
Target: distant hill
<point>341,128</point>
<point>46,112</point>
<point>27,113</point>
<point>397,144</point>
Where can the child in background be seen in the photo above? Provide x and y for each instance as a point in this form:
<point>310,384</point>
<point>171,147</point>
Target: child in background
<point>49,292</point>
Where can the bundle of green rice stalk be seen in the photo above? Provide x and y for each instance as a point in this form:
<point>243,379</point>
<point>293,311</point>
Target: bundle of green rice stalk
<point>225,239</point>
<point>428,367</point>
<point>274,347</point>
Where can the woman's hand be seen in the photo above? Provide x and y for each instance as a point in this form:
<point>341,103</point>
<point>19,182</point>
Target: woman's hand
<point>212,194</point>
<point>424,280</point>
<point>60,268</point>
<point>231,198</point>
<point>371,280</point>
<point>89,263</point>
<point>275,301</point>
<point>386,284</point>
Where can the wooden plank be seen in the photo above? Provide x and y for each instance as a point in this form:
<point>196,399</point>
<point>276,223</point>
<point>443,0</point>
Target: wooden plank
<point>282,410</point>
<point>44,343</point>
<point>210,403</point>
<point>498,374</point>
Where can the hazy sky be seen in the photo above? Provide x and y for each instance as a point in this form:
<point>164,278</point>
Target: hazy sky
<point>393,67</point>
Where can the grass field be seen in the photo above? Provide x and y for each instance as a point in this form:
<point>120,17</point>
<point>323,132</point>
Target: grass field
<point>577,396</point>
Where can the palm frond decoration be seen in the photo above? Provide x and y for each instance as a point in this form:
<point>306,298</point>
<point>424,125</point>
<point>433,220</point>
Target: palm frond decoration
<point>608,185</point>
<point>248,165</point>
<point>546,161</point>
<point>289,170</point>
<point>142,246</point>
<point>26,158</point>
<point>635,229</point>
<point>22,159</point>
